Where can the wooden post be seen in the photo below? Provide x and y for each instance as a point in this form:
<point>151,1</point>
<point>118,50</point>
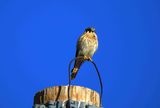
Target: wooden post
<point>60,93</point>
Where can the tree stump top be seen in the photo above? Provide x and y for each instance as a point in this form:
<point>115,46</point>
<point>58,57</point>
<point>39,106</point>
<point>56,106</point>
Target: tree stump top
<point>60,93</point>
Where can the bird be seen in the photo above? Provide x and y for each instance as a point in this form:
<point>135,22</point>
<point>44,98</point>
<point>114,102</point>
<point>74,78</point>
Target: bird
<point>87,45</point>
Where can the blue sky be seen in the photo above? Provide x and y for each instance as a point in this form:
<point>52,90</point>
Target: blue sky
<point>38,39</point>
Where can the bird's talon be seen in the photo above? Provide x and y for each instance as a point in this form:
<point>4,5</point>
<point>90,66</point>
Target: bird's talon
<point>85,58</point>
<point>90,59</point>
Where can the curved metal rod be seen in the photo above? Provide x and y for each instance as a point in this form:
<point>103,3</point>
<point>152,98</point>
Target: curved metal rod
<point>100,80</point>
<point>69,80</point>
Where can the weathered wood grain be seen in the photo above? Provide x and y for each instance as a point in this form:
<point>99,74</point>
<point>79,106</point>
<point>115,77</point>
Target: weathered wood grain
<point>60,93</point>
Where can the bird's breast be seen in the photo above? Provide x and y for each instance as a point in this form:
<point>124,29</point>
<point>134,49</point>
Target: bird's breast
<point>89,43</point>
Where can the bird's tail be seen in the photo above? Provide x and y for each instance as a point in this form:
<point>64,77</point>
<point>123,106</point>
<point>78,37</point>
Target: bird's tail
<point>77,66</point>
<point>74,73</point>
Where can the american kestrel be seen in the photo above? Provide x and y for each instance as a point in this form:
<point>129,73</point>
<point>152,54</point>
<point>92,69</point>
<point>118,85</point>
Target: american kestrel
<point>86,46</point>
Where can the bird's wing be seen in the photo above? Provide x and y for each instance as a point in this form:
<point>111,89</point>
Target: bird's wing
<point>79,45</point>
<point>78,61</point>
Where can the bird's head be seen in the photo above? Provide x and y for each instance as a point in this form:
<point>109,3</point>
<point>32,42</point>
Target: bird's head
<point>90,29</point>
